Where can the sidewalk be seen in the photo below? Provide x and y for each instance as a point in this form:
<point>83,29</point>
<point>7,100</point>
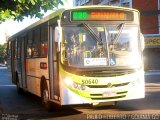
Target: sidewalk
<point>152,85</point>
<point>150,82</point>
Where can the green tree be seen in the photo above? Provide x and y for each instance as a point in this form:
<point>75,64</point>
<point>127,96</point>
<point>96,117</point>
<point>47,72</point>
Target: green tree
<point>18,9</point>
<point>3,53</point>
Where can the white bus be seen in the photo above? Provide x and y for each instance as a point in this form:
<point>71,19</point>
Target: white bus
<point>81,55</point>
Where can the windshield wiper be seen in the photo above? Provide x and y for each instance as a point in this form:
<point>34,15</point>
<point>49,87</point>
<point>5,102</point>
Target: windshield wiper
<point>113,40</point>
<point>119,28</point>
<point>90,30</point>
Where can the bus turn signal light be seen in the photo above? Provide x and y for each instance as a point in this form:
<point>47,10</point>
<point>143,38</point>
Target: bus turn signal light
<point>43,65</point>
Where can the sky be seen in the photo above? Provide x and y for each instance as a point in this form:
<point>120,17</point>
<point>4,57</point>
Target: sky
<point>11,27</point>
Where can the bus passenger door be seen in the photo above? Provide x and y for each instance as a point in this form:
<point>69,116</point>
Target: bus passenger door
<point>53,68</point>
<point>23,62</point>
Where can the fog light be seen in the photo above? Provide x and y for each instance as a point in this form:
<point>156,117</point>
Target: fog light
<point>75,85</point>
<point>71,83</point>
<point>83,87</point>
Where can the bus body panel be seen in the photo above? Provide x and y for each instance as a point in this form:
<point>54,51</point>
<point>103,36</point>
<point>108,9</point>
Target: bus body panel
<point>118,88</point>
<point>34,73</point>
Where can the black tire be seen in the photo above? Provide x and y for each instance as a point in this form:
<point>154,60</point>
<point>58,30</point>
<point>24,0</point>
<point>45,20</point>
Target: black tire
<point>45,96</point>
<point>19,90</point>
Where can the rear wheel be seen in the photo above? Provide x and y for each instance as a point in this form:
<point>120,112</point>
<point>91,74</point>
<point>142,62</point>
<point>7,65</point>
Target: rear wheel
<point>19,89</point>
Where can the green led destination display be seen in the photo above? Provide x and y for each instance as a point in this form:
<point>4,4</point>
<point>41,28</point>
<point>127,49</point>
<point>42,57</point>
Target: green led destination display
<point>80,15</point>
<point>100,15</point>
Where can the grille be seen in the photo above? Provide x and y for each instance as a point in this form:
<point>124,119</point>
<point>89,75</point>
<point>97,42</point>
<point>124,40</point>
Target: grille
<point>106,98</point>
<point>101,97</point>
<point>108,86</point>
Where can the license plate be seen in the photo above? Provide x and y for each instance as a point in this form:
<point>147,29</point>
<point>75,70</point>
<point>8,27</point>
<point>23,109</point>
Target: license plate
<point>109,94</point>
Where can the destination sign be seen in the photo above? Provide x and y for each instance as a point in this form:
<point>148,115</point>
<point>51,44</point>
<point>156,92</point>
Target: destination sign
<point>91,15</point>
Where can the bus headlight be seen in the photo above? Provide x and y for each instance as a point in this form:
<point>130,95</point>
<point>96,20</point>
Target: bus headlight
<point>71,83</point>
<point>68,81</point>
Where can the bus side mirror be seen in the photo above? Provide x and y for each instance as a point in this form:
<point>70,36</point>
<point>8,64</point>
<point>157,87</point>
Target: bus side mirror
<point>58,34</point>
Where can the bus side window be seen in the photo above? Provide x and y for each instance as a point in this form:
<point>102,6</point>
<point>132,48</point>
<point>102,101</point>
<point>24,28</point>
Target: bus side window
<point>29,44</point>
<point>29,51</point>
<point>36,40</point>
<point>15,49</point>
<point>18,48</point>
<point>44,49</point>
<point>9,50</point>
<point>43,40</point>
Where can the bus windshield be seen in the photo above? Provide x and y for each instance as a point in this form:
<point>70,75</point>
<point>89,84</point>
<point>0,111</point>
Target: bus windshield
<point>100,46</point>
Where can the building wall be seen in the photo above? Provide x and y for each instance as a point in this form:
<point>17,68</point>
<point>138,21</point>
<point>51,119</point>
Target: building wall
<point>82,2</point>
<point>149,18</point>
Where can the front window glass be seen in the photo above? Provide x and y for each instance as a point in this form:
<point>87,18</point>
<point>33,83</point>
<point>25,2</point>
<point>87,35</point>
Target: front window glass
<point>100,46</point>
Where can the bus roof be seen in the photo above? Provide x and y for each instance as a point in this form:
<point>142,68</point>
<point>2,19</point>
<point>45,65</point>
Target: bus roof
<point>103,6</point>
<point>58,13</point>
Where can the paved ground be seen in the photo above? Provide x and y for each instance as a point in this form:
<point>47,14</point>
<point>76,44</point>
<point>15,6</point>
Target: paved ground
<point>28,107</point>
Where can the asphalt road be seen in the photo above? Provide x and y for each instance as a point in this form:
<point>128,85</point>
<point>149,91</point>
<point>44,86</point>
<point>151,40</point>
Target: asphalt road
<point>28,107</point>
